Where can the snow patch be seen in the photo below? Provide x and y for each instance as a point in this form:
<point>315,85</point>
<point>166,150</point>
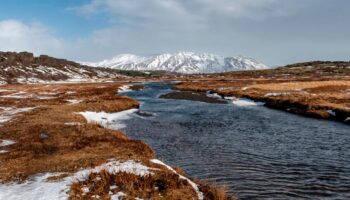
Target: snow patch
<point>42,97</point>
<point>230,98</point>
<point>18,95</point>
<point>275,94</point>
<point>3,151</point>
<point>125,88</point>
<point>73,123</point>
<point>5,90</point>
<point>112,187</point>
<point>85,190</point>
<point>114,167</point>
<point>74,101</point>
<point>213,95</point>
<point>4,143</point>
<point>96,196</point>
<point>118,196</point>
<point>39,188</point>
<point>109,120</point>
<point>48,93</point>
<point>8,113</point>
<point>331,112</point>
<point>246,102</point>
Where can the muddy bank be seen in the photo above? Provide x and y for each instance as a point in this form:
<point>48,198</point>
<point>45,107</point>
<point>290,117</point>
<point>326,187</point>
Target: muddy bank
<point>193,96</point>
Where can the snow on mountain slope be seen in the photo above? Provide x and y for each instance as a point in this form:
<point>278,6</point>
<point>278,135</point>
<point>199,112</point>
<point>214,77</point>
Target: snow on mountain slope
<point>119,61</point>
<point>181,62</point>
<point>244,63</point>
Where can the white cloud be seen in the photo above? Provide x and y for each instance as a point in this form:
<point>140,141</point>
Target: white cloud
<point>18,36</point>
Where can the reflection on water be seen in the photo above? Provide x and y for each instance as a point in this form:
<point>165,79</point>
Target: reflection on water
<point>256,152</point>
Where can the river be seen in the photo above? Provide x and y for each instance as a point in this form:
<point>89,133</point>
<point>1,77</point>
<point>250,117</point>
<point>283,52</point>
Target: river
<point>256,152</point>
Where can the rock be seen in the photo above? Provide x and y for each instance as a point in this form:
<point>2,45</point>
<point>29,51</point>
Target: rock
<point>144,113</point>
<point>43,136</point>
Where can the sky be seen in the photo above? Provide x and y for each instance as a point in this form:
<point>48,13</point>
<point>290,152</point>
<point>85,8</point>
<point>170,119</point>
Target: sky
<point>275,32</point>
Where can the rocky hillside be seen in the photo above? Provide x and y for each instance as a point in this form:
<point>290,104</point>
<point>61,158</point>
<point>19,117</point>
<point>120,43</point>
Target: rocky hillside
<point>24,67</point>
<point>181,62</point>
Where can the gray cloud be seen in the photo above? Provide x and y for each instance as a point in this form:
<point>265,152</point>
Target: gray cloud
<point>18,36</point>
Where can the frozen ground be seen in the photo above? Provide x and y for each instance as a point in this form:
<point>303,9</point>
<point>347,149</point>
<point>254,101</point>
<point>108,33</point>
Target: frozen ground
<point>7,113</point>
<point>109,120</point>
<point>246,102</point>
<point>39,188</point>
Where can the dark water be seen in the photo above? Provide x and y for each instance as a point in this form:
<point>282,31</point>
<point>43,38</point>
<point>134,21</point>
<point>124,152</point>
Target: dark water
<point>258,153</point>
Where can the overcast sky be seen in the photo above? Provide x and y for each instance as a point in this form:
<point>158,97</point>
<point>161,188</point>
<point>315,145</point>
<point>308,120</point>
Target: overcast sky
<point>275,32</point>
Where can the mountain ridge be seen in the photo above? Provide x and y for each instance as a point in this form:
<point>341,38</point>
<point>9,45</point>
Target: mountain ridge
<point>180,62</point>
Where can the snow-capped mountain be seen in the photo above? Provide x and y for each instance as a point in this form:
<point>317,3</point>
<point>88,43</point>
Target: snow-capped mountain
<point>181,62</point>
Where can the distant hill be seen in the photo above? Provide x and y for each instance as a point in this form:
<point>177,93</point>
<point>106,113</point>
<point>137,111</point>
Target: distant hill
<point>24,67</point>
<point>325,69</point>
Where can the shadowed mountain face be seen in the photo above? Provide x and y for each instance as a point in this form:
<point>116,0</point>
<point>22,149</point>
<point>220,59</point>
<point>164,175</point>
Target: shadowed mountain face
<point>24,67</point>
<point>181,62</point>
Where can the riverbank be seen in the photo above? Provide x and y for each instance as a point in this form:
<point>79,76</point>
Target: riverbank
<point>50,145</point>
<point>314,91</point>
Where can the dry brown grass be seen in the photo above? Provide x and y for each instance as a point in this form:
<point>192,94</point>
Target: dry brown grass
<point>68,146</point>
<point>213,191</point>
<point>287,86</point>
<point>161,185</point>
